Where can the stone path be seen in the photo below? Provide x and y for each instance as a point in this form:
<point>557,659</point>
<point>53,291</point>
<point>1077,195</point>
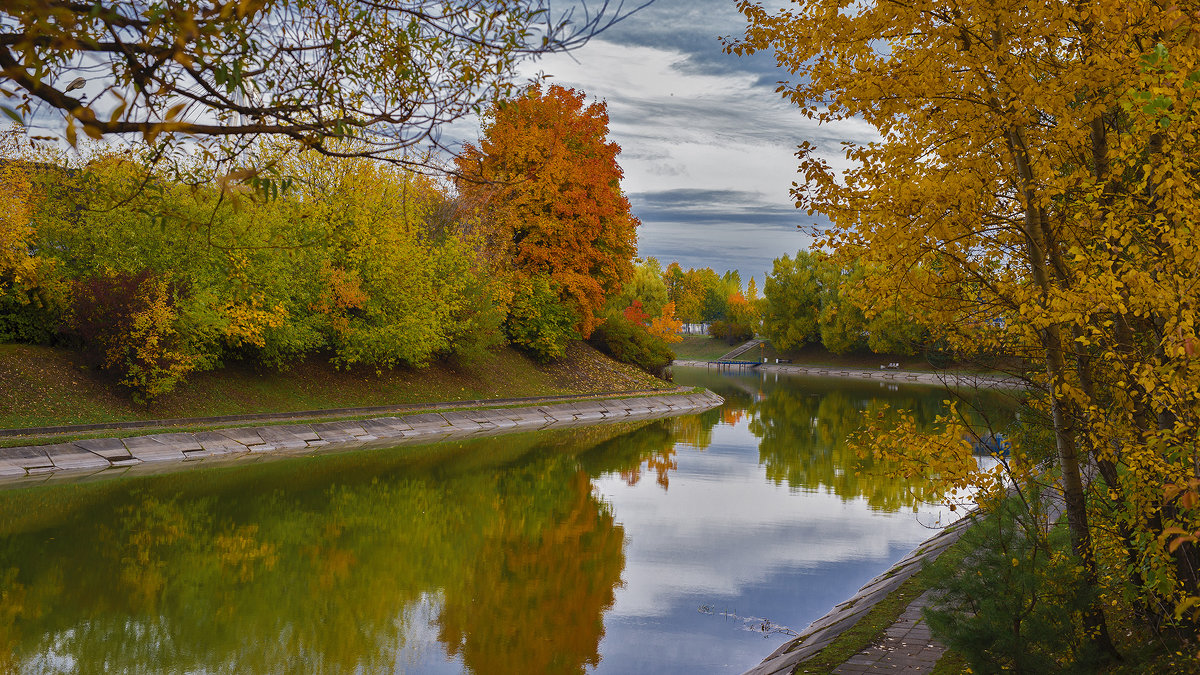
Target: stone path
<point>906,647</point>
<point>170,451</point>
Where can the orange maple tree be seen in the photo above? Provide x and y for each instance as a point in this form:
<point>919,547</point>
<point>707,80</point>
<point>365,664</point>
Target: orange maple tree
<point>547,177</point>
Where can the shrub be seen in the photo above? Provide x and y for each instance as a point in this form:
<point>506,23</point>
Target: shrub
<point>538,321</point>
<point>129,324</point>
<point>1015,602</point>
<point>28,317</point>
<point>731,332</point>
<point>631,343</point>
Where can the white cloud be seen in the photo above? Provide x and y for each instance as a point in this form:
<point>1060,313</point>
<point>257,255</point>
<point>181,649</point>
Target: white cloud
<point>682,127</point>
<point>718,530</point>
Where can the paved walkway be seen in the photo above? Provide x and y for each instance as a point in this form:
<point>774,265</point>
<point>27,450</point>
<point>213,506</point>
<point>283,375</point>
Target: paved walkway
<point>906,647</point>
<point>169,451</point>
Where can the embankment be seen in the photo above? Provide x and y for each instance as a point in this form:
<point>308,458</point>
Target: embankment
<point>169,451</point>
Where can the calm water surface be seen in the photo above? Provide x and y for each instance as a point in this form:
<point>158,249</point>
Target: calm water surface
<point>689,545</point>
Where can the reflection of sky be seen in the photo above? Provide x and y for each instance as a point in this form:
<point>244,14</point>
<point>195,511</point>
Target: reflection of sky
<point>725,537</point>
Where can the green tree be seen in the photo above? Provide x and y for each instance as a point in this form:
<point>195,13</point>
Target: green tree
<point>793,300</point>
<point>843,326</point>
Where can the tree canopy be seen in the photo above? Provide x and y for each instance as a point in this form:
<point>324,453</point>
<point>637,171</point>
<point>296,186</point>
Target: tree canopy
<point>387,73</point>
<point>1032,193</point>
<point>546,176</point>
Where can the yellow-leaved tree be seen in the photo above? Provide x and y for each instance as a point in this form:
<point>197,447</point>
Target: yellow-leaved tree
<point>1032,189</point>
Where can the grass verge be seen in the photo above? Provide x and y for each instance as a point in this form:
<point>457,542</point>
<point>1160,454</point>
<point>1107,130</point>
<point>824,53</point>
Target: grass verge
<point>870,628</point>
<point>700,348</point>
<point>43,386</point>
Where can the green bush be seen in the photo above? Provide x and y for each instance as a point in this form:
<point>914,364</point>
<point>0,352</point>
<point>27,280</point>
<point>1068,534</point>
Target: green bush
<point>27,318</point>
<point>538,322</point>
<point>731,332</point>
<point>631,343</point>
<point>1015,603</point>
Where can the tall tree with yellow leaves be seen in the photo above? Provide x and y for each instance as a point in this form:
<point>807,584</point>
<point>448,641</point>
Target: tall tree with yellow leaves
<point>1032,190</point>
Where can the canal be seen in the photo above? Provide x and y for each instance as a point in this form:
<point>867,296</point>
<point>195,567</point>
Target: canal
<point>687,545</point>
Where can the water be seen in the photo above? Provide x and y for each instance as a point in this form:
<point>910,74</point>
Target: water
<point>689,545</point>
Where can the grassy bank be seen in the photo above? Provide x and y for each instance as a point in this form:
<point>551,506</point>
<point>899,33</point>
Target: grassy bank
<point>43,386</point>
<point>1143,652</point>
<point>699,348</point>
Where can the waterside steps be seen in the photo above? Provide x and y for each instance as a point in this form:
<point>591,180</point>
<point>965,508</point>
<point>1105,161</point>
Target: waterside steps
<point>729,356</point>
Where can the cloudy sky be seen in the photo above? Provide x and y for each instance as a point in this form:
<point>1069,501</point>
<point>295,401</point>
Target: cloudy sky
<point>708,147</point>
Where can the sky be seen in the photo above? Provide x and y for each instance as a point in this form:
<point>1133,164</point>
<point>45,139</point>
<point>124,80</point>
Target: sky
<point>708,146</point>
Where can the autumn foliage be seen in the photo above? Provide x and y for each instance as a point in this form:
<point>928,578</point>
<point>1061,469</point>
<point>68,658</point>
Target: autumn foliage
<point>367,262</point>
<point>1032,194</point>
<point>546,177</point>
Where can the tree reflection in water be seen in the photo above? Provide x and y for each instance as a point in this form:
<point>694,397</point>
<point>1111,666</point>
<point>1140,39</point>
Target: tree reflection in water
<point>803,425</point>
<point>496,555</point>
<point>317,565</point>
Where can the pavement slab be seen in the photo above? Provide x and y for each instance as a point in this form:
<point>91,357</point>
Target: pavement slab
<point>147,449</point>
<point>218,444</point>
<point>461,420</point>
<point>424,421</point>
<point>68,456</point>
<point>386,427</point>
<point>906,646</point>
<point>20,460</point>
<point>333,433</point>
<point>282,438</point>
<point>111,449</point>
<point>247,437</point>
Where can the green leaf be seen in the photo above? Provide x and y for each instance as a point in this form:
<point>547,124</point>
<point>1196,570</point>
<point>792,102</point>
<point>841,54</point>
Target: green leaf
<point>12,114</point>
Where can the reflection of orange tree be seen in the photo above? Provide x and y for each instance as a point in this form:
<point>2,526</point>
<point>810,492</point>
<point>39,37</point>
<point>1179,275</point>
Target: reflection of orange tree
<point>543,582</point>
<point>731,415</point>
<point>319,578</point>
<point>804,443</point>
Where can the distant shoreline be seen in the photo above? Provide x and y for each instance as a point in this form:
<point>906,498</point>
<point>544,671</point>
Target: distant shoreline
<point>943,378</point>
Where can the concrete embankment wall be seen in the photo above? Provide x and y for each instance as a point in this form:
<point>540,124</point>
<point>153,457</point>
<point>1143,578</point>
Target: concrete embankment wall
<point>898,376</point>
<point>843,616</point>
<point>169,451</point>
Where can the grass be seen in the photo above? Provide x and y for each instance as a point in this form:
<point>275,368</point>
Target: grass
<point>1143,652</point>
<point>700,348</point>
<point>44,386</point>
<point>870,628</point>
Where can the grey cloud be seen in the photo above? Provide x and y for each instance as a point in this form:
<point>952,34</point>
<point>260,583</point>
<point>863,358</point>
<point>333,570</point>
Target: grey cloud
<point>721,229</point>
<point>693,28</point>
<point>713,207</point>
